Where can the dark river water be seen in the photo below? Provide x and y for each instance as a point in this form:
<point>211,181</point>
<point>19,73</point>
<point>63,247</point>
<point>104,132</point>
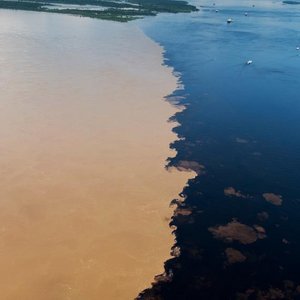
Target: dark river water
<point>237,231</point>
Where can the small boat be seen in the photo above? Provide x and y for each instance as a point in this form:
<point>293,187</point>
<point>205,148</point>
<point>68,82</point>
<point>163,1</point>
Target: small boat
<point>298,48</point>
<point>229,21</point>
<point>249,62</point>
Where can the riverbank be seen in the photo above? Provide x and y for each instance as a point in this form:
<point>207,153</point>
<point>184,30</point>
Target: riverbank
<point>120,11</point>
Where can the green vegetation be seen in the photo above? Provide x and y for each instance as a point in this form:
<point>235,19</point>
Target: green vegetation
<point>169,6</point>
<point>291,2</point>
<point>21,5</point>
<point>121,11</point>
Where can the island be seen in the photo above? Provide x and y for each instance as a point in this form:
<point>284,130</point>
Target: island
<point>121,11</point>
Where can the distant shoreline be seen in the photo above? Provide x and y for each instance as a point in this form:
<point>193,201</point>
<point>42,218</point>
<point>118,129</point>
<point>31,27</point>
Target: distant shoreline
<point>105,10</point>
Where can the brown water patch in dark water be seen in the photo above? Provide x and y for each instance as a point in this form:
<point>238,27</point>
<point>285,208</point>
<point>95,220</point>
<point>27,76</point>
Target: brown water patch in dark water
<point>273,198</point>
<point>234,256</point>
<point>235,231</point>
<point>230,191</point>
